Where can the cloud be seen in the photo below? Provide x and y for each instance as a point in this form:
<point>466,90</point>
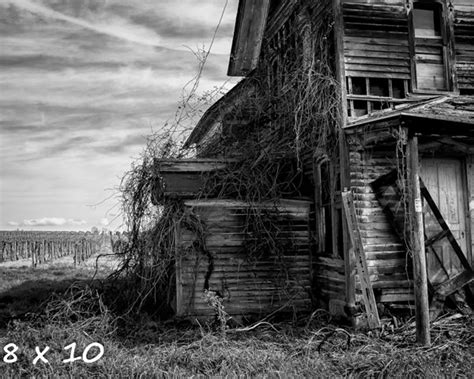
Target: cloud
<point>117,27</point>
<point>83,82</point>
<point>172,25</point>
<point>104,222</point>
<point>49,221</point>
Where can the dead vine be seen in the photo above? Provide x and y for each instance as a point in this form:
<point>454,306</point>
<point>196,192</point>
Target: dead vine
<point>288,110</point>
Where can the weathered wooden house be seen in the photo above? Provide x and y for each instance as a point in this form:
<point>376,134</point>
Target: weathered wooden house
<point>404,74</point>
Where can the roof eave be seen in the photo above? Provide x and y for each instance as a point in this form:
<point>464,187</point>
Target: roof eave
<point>248,36</point>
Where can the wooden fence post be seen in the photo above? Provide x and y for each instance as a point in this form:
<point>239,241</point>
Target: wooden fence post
<point>417,244</point>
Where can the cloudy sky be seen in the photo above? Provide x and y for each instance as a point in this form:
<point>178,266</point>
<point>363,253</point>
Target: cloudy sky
<point>82,83</point>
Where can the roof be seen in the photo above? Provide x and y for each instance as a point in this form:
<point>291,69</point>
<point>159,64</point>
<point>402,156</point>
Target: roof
<point>454,109</point>
<point>248,36</point>
<point>217,111</point>
<point>448,114</point>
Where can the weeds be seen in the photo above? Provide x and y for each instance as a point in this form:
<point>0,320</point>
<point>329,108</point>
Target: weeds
<point>142,346</point>
<point>221,316</point>
<point>312,349</point>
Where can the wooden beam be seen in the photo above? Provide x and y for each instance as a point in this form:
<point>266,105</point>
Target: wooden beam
<point>349,259</point>
<point>248,36</point>
<point>417,245</point>
<point>339,57</point>
<point>318,207</point>
<point>454,284</point>
<point>450,50</point>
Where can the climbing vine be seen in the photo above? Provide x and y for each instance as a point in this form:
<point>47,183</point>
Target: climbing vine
<point>289,109</point>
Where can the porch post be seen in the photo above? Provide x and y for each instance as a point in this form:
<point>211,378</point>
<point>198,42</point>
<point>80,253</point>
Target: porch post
<point>349,257</point>
<point>417,244</point>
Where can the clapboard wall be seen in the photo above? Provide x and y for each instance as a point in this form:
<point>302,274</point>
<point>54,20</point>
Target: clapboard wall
<point>464,43</point>
<point>376,39</point>
<point>249,284</point>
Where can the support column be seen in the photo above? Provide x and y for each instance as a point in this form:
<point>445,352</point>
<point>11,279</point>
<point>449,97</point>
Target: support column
<point>417,244</point>
<point>348,253</point>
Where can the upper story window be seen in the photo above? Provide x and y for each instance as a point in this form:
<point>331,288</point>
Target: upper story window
<point>429,47</point>
<point>368,95</point>
<point>427,19</point>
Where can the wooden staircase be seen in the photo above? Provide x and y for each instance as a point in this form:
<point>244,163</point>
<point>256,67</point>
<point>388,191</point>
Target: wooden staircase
<point>390,197</point>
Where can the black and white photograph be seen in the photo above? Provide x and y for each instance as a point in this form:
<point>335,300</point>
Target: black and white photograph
<point>236,188</point>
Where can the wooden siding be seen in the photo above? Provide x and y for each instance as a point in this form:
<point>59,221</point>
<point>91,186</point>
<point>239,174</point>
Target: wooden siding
<point>330,279</point>
<point>389,270</point>
<point>470,183</point>
<point>464,44</point>
<point>277,20</point>
<point>376,39</point>
<point>248,285</point>
<point>183,178</point>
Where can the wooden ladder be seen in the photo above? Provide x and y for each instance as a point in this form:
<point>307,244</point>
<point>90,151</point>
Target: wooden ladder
<point>370,304</point>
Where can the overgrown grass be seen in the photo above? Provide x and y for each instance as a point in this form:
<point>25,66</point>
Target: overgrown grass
<point>141,347</point>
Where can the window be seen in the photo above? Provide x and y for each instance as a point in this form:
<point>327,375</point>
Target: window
<point>378,87</point>
<point>430,48</point>
<point>358,86</point>
<point>427,19</point>
<point>367,95</point>
<point>398,88</point>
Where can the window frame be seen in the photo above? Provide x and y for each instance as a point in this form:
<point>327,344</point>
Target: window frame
<point>447,38</point>
<point>371,100</point>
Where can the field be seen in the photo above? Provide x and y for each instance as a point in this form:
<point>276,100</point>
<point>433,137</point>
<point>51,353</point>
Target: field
<point>40,247</point>
<point>39,308</point>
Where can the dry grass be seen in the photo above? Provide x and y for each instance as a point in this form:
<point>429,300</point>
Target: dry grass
<point>141,347</point>
<point>261,353</point>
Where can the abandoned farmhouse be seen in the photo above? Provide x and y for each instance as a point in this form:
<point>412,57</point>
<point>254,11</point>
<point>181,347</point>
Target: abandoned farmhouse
<point>339,172</point>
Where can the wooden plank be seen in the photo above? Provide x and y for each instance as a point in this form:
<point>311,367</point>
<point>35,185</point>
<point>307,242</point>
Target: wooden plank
<point>381,53</point>
<point>418,247</point>
<point>391,298</point>
<point>388,25</point>
<point>190,165</point>
<point>248,36</point>
<point>352,61</point>
<point>332,262</point>
<point>367,291</point>
<point>389,284</point>
<point>376,74</point>
<point>376,43</point>
<point>454,284</point>
<point>369,68</point>
<point>446,230</point>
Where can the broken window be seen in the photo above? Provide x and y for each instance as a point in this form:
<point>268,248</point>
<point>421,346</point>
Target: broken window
<point>367,95</point>
<point>398,88</point>
<point>378,87</point>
